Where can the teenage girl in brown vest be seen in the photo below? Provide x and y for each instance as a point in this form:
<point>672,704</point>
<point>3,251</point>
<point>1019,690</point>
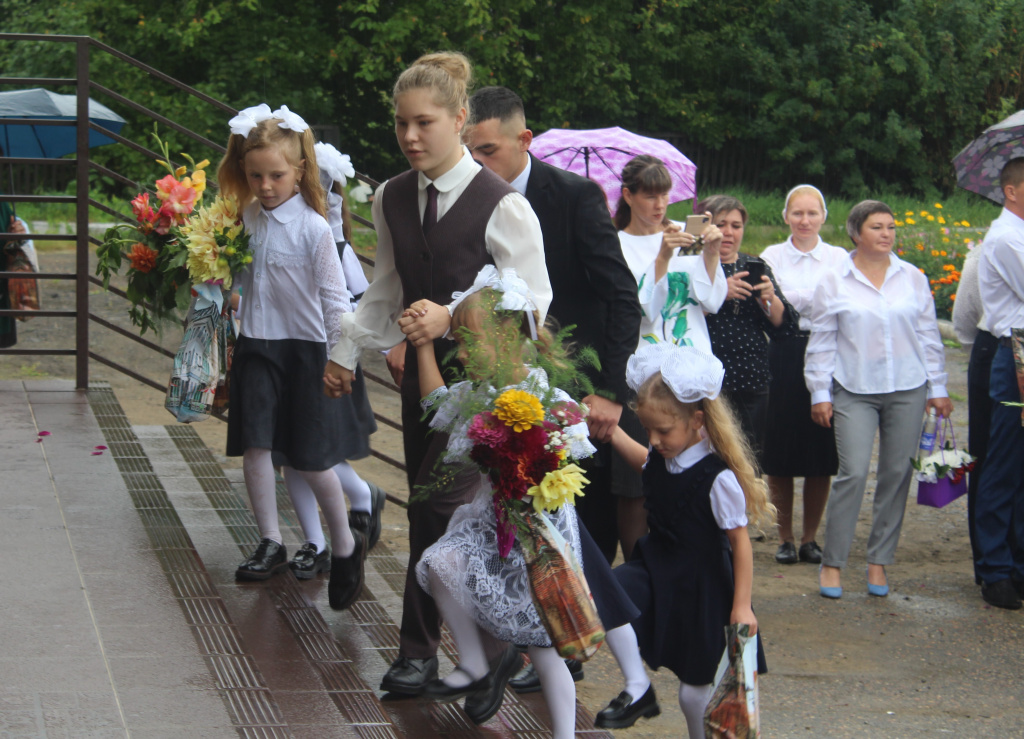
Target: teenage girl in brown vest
<point>437,225</point>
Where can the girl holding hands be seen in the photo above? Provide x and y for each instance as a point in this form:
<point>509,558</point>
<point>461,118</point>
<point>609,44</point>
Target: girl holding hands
<point>692,575</point>
<point>294,297</point>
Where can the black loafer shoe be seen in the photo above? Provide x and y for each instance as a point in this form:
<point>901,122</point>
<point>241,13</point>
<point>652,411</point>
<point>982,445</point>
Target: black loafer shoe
<point>369,523</point>
<point>347,576</point>
<point>810,552</point>
<point>438,690</point>
<point>482,705</point>
<point>269,559</point>
<point>1001,594</point>
<point>786,554</point>
<point>527,680</point>
<point>622,712</point>
<point>308,562</point>
<point>409,675</point>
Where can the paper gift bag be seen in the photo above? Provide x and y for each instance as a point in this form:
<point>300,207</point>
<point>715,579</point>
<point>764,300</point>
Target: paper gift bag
<point>941,493</point>
<point>560,591</point>
<point>734,712</point>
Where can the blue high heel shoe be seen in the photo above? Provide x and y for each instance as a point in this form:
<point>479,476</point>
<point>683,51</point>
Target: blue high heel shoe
<point>827,592</point>
<point>879,591</point>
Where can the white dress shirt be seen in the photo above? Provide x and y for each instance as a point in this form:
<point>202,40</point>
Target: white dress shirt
<point>727,500</point>
<point>1001,274</point>
<point>873,340</point>
<point>513,239</point>
<point>641,253</point>
<point>294,288</point>
<point>798,272</point>
<point>968,313</point>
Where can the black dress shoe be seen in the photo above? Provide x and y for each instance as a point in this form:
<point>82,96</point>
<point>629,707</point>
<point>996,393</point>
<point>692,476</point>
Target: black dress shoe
<point>369,523</point>
<point>409,675</point>
<point>1018,585</point>
<point>622,713</point>
<point>1001,594</point>
<point>786,554</point>
<point>810,552</point>
<point>308,562</point>
<point>438,690</point>
<point>482,705</point>
<point>347,576</point>
<point>528,681</point>
<point>269,559</point>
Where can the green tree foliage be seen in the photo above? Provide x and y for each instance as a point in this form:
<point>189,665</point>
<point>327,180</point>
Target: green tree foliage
<point>853,95</point>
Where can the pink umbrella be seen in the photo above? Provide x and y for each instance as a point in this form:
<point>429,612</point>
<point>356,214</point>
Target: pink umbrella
<point>600,154</point>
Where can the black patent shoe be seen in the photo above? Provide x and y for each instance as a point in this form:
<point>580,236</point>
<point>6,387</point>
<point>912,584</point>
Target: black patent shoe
<point>483,704</point>
<point>438,690</point>
<point>810,552</point>
<point>369,523</point>
<point>308,562</point>
<point>622,712</point>
<point>409,675</point>
<point>786,554</point>
<point>269,559</point>
<point>1001,594</point>
<point>347,576</point>
<point>528,681</point>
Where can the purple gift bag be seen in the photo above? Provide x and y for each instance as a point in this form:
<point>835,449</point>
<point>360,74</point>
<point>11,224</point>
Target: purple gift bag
<point>945,490</point>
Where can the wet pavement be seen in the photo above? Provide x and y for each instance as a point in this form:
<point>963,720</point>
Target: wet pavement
<point>120,612</point>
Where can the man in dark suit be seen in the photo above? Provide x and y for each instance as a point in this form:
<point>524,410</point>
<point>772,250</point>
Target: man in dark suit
<point>593,288</point>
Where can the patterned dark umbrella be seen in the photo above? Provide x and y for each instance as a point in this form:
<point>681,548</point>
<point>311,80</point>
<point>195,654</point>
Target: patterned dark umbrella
<point>979,164</point>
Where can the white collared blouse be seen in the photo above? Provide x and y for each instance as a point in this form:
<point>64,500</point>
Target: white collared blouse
<point>294,288</point>
<point>874,340</point>
<point>798,272</point>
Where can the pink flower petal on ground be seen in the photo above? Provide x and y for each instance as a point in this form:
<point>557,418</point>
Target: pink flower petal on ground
<point>96,454</point>
<point>100,447</point>
<point>43,433</point>
<point>39,441</point>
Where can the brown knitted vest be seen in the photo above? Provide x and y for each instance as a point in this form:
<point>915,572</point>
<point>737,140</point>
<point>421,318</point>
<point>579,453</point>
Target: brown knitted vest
<point>435,266</point>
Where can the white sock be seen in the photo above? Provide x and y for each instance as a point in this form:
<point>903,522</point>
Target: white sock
<point>622,641</point>
<point>304,501</point>
<point>356,489</point>
<point>693,700</point>
<point>332,502</point>
<point>472,659</point>
<point>258,470</point>
<point>558,688</point>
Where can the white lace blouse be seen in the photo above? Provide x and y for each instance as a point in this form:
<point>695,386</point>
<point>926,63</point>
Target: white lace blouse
<point>294,288</point>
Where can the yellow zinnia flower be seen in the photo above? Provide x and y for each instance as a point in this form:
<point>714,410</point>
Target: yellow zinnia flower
<point>939,206</point>
<point>558,488</point>
<point>518,409</point>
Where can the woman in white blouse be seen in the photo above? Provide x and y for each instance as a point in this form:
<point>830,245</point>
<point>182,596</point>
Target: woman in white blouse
<point>794,445</point>
<point>874,361</point>
<point>675,290</point>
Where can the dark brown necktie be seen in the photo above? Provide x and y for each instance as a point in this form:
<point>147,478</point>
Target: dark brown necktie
<point>430,214</point>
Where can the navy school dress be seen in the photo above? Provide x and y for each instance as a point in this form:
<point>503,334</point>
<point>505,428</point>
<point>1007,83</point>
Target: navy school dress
<point>680,575</point>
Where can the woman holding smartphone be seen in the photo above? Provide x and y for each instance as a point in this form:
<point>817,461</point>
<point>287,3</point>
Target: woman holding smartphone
<point>677,287</point>
<point>795,446</point>
<point>754,311</point>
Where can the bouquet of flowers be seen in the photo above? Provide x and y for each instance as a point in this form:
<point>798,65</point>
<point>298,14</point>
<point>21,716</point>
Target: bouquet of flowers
<point>175,245</point>
<point>947,462</point>
<point>525,449</point>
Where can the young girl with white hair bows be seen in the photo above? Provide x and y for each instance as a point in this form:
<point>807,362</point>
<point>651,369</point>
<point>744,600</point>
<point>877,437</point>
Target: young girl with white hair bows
<point>294,294</point>
<point>691,575</point>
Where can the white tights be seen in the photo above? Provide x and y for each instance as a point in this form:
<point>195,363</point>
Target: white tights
<point>555,679</point>
<point>304,499</point>
<point>693,700</point>
<point>622,641</point>
<point>258,469</point>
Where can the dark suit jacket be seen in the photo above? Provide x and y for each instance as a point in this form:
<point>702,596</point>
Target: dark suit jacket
<point>593,288</point>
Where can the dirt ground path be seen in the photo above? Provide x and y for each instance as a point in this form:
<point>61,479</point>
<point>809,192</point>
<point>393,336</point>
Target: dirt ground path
<point>931,659</point>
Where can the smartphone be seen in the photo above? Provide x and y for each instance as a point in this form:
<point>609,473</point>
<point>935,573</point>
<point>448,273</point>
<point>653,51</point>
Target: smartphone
<point>755,266</point>
<point>694,225</point>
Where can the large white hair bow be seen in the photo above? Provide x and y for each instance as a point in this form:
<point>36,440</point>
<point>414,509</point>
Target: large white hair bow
<point>689,373</point>
<point>337,165</point>
<point>248,119</point>
<point>515,293</point>
<point>290,120</point>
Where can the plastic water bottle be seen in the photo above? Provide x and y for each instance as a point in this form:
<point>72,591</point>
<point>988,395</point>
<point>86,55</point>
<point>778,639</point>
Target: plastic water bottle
<point>927,445</point>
